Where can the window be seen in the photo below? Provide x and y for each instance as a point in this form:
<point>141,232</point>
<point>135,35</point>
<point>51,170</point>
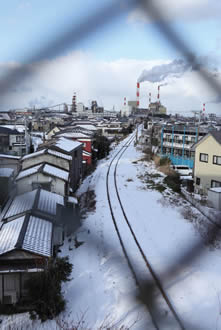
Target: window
<point>204,158</point>
<point>20,139</point>
<point>198,181</point>
<point>193,139</point>
<point>215,184</point>
<point>217,160</point>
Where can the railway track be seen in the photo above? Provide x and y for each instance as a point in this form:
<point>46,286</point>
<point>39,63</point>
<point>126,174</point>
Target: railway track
<point>160,308</point>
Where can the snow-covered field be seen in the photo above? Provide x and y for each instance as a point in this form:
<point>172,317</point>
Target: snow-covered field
<point>173,236</point>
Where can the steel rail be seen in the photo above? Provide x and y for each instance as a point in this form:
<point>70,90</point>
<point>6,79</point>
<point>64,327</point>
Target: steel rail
<point>147,263</point>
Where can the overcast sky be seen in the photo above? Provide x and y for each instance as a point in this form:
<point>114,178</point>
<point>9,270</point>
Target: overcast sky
<point>104,63</point>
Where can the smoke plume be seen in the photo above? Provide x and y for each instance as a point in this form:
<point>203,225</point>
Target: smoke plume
<point>175,69</point>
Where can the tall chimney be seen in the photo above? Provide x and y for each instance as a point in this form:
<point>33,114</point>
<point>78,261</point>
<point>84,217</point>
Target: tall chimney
<point>138,95</point>
<point>74,107</point>
<point>204,104</point>
<point>149,98</point>
<point>158,95</point>
<point>125,101</point>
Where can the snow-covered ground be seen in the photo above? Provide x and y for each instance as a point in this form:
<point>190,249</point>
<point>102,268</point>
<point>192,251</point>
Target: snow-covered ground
<point>173,236</point>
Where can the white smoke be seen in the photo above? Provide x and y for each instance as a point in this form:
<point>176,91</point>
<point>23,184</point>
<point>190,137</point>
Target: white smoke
<point>176,69</point>
<point>158,73</point>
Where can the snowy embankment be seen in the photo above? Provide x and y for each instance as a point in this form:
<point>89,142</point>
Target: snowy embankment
<point>173,235</point>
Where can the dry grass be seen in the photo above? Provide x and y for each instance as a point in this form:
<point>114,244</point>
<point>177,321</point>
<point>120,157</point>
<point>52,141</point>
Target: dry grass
<point>165,169</point>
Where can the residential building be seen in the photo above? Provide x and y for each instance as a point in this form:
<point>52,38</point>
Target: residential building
<point>207,162</point>
<point>14,140</point>
<point>45,176</point>
<point>177,141</point>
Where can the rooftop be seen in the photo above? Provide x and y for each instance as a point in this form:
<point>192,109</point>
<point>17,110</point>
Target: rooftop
<point>29,233</point>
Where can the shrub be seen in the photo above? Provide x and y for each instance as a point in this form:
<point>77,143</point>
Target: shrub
<point>45,289</point>
<point>173,181</point>
<point>164,161</point>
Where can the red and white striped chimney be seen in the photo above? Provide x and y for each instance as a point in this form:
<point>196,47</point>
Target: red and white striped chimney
<point>125,102</point>
<point>138,95</point>
<point>158,95</point>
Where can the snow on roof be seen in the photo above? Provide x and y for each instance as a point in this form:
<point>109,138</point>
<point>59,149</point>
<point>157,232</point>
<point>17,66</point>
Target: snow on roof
<point>9,234</point>
<point>9,156</point>
<point>50,169</point>
<point>87,127</point>
<point>6,172</point>
<point>48,201</point>
<point>38,236</point>
<point>27,172</point>
<point>19,128</point>
<point>59,154</point>
<point>72,199</point>
<point>34,154</point>
<point>21,203</point>
<point>217,189</point>
<point>75,135</point>
<point>66,144</point>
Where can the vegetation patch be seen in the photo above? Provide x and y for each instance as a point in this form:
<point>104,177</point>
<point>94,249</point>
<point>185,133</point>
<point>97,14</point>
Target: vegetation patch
<point>173,182</point>
<point>44,289</point>
<point>130,180</point>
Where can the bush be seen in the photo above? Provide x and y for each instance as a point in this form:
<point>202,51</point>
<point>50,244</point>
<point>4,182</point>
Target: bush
<point>173,181</point>
<point>164,161</point>
<point>45,289</point>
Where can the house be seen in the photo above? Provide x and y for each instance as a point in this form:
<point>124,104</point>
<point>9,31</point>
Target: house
<point>31,230</point>
<point>25,245</point>
<point>62,211</point>
<point>14,140</point>
<point>62,153</point>
<point>9,161</point>
<point>86,140</point>
<point>45,176</point>
<point>207,162</point>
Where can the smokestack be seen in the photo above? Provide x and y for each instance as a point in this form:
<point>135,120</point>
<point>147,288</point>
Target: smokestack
<point>125,101</point>
<point>149,98</point>
<point>74,108</point>
<point>158,95</point>
<point>138,95</point>
<point>204,104</point>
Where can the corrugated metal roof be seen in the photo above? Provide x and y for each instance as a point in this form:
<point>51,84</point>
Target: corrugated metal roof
<point>21,203</point>
<point>29,171</point>
<point>34,154</point>
<point>50,169</point>
<point>48,201</point>
<point>38,236</point>
<point>9,156</point>
<point>9,234</point>
<point>59,154</point>
<point>66,144</point>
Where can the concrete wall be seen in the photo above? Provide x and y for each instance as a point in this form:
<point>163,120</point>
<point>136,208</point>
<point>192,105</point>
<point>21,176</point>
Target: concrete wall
<point>50,159</point>
<point>207,171</point>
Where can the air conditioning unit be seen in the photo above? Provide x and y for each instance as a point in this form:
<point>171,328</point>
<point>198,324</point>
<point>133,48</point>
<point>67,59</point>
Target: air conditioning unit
<point>10,299</point>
